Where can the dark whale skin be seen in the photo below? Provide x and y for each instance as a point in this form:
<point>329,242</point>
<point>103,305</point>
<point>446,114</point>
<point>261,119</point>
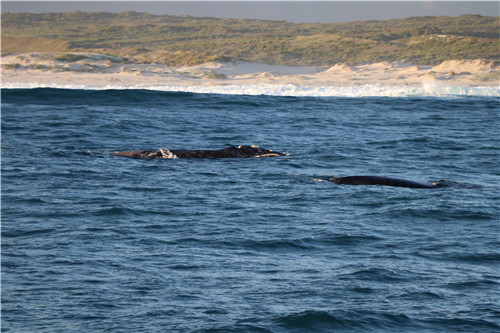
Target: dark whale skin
<point>229,152</point>
<point>384,181</point>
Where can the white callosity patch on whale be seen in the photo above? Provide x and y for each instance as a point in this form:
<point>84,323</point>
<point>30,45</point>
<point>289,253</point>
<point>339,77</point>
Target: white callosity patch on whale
<point>165,153</point>
<point>160,153</point>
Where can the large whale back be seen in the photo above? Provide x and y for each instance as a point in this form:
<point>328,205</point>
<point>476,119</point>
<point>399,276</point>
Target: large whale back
<point>229,152</point>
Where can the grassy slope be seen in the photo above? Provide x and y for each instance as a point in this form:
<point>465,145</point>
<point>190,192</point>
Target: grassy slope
<point>175,40</point>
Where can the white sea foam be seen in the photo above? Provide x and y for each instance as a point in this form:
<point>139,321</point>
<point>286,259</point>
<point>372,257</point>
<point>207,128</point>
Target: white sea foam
<point>426,90</point>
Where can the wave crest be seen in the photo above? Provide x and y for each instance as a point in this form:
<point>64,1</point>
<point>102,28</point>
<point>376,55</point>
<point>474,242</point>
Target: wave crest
<point>427,90</point>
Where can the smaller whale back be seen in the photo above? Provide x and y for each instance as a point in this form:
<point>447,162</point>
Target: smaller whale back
<point>384,181</point>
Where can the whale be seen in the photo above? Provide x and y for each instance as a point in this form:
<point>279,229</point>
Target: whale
<point>383,181</point>
<point>229,152</point>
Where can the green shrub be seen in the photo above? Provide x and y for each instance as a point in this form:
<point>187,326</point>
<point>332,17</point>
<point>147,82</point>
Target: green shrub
<point>71,57</point>
<point>11,66</point>
<point>425,40</point>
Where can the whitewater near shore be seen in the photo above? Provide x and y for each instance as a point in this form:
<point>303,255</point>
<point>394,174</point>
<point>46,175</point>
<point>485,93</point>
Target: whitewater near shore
<point>98,71</point>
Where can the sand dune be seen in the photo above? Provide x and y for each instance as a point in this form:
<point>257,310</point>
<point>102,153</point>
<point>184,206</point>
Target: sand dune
<point>98,70</point>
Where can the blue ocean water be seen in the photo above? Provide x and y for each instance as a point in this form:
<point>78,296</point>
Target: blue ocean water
<point>93,242</point>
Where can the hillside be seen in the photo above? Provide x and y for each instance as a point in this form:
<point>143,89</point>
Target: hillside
<point>184,40</point>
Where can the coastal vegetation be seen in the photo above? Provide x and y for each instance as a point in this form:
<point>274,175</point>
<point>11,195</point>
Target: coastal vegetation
<point>185,40</point>
<point>70,57</point>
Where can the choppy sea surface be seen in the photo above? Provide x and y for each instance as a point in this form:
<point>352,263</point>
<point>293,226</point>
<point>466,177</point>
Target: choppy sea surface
<point>93,242</point>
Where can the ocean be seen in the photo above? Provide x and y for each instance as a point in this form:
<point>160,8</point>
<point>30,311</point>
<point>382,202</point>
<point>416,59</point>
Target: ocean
<point>93,242</point>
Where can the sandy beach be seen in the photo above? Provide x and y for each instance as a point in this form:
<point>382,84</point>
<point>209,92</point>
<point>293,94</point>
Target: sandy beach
<point>101,71</point>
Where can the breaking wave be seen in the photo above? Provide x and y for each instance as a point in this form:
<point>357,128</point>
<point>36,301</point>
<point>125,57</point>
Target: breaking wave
<point>426,90</point>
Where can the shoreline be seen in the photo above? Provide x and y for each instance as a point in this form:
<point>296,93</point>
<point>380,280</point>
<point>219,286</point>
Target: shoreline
<point>103,72</point>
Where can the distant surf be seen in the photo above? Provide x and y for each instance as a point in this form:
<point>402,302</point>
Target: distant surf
<point>369,90</point>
